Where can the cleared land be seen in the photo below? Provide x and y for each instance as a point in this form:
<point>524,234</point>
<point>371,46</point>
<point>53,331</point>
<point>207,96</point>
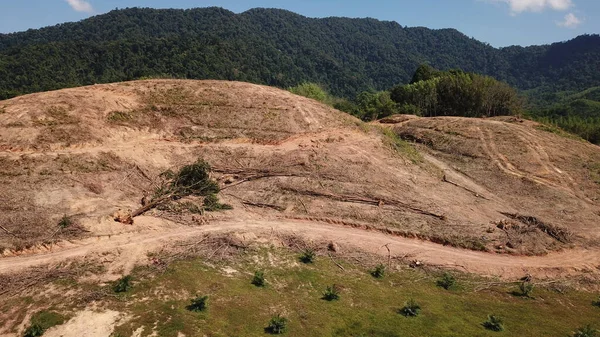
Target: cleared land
<point>493,197</point>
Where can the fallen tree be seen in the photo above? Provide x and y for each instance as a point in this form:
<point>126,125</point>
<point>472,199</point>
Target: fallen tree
<point>190,180</point>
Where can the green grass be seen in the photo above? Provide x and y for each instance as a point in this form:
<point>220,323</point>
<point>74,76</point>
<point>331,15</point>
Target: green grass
<point>558,131</point>
<point>401,146</point>
<point>42,321</point>
<point>368,307</point>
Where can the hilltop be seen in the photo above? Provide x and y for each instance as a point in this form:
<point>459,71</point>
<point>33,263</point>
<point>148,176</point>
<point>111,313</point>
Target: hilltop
<point>273,47</point>
<point>90,151</point>
<point>489,203</point>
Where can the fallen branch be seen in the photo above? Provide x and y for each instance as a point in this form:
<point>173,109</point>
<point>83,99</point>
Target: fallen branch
<point>336,263</point>
<point>8,232</point>
<point>257,204</point>
<point>444,179</point>
<point>365,200</point>
<point>150,206</point>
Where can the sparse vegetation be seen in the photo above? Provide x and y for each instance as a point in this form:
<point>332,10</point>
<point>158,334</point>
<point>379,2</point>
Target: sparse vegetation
<point>379,271</point>
<point>277,325</point>
<point>259,279</point>
<point>401,146</point>
<point>42,321</point>
<point>123,284</point>
<point>525,289</point>
<point>596,303</point>
<point>308,256</point>
<point>212,204</point>
<point>332,293</point>
<point>494,323</point>
<point>410,309</point>
<point>447,281</point>
<point>119,116</point>
<point>65,222</point>
<point>199,304</point>
<point>586,331</point>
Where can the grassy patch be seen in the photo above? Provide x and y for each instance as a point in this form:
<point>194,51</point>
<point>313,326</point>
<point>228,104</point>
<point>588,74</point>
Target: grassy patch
<point>120,117</point>
<point>558,131</point>
<point>401,146</point>
<point>42,321</point>
<point>368,307</point>
<point>594,169</point>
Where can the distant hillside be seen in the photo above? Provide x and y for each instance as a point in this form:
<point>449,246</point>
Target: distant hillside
<point>273,47</point>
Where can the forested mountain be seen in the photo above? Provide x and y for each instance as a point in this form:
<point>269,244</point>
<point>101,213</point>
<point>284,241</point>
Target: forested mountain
<point>273,47</point>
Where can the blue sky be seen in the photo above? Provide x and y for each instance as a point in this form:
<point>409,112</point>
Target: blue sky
<point>498,22</point>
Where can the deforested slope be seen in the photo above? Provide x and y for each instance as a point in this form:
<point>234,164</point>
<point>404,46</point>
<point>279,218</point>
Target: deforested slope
<point>87,152</point>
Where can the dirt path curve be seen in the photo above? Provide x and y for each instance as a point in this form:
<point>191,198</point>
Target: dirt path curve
<point>571,262</point>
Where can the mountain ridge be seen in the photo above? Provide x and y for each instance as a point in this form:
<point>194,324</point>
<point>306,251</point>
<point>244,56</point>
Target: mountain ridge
<point>273,47</point>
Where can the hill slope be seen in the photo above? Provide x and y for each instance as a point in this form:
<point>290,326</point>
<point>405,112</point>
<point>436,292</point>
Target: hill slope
<point>273,47</point>
<point>87,152</point>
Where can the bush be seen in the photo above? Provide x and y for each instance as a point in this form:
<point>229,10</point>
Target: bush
<point>379,271</point>
<point>447,281</point>
<point>259,279</point>
<point>410,309</point>
<point>277,325</point>
<point>596,303</point>
<point>525,289</point>
<point>332,293</point>
<point>310,90</point>
<point>586,331</point>
<point>198,304</point>
<point>65,222</point>
<point>42,321</point>
<point>34,330</point>
<point>123,284</point>
<point>494,323</point>
<point>307,256</point>
<point>212,204</point>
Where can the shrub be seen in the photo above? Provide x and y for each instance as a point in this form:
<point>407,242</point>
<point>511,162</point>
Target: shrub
<point>310,90</point>
<point>307,256</point>
<point>277,325</point>
<point>42,321</point>
<point>596,303</point>
<point>198,304</point>
<point>525,289</point>
<point>379,271</point>
<point>212,204</point>
<point>447,281</point>
<point>332,293</point>
<point>65,222</point>
<point>34,330</point>
<point>494,323</point>
<point>410,309</point>
<point>259,279</point>
<point>586,331</point>
<point>123,284</point>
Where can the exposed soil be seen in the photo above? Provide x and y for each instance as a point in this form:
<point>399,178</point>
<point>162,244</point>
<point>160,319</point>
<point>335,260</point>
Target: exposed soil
<point>129,249</point>
<point>88,152</point>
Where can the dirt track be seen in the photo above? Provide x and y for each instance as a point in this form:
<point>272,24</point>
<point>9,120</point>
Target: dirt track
<point>135,245</point>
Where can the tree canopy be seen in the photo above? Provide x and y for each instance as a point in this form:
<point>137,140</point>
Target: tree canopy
<point>274,47</point>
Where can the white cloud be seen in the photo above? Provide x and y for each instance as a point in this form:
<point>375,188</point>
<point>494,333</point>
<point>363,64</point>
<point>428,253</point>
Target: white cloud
<point>570,21</point>
<point>519,6</point>
<point>80,5</point>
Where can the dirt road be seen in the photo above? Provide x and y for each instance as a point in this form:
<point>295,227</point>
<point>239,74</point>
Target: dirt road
<point>133,246</point>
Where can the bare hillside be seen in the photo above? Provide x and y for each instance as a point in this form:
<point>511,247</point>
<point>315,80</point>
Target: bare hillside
<point>496,185</point>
